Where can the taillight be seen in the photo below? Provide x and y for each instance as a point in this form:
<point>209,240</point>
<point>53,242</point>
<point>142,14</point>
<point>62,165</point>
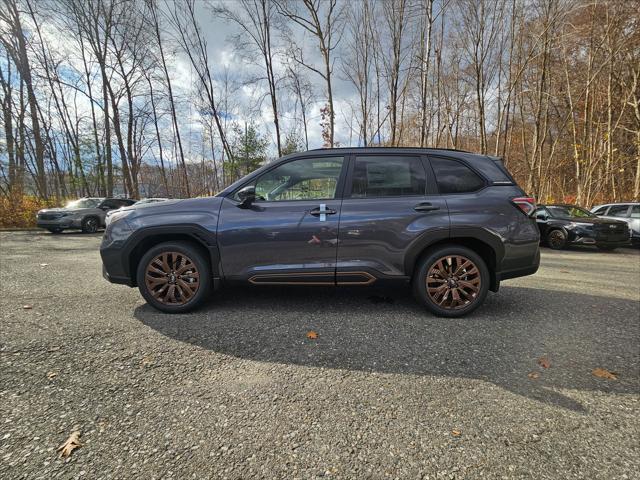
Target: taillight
<point>526,204</point>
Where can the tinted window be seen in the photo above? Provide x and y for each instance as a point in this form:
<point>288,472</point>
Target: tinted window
<point>618,211</point>
<point>635,211</point>
<point>454,177</point>
<point>111,203</point>
<point>569,211</point>
<point>387,176</point>
<point>600,211</point>
<point>305,179</point>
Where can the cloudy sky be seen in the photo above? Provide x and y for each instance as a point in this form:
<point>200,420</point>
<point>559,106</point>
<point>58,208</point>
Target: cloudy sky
<point>226,60</point>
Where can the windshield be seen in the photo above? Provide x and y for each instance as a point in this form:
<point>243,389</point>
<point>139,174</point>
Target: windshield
<point>84,203</point>
<point>570,212</point>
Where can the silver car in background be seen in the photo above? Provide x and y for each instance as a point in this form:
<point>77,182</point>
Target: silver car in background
<point>627,212</point>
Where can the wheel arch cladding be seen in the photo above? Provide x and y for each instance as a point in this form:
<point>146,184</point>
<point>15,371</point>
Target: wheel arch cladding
<point>194,235</point>
<point>492,253</point>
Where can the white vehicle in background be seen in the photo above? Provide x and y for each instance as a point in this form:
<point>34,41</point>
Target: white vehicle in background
<point>139,202</point>
<point>627,212</point>
<point>151,200</point>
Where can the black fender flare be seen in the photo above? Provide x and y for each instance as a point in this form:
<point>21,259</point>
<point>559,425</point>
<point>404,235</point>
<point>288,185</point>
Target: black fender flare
<point>431,237</point>
<point>199,234</point>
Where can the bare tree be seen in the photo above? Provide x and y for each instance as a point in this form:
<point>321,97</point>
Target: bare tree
<point>322,20</point>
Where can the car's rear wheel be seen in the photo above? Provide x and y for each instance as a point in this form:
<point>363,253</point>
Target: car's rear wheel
<point>174,277</point>
<point>90,225</point>
<point>451,281</point>
<point>557,239</point>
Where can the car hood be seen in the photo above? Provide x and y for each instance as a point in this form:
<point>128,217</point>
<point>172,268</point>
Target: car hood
<point>67,210</point>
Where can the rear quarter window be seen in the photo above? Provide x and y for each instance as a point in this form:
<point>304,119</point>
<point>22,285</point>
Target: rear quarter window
<point>453,176</point>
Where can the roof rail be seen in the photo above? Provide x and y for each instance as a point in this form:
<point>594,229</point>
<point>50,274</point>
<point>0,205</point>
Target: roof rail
<point>389,148</point>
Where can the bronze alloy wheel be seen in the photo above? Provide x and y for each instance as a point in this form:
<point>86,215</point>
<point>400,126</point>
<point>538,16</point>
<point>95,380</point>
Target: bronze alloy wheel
<point>172,278</point>
<point>453,282</point>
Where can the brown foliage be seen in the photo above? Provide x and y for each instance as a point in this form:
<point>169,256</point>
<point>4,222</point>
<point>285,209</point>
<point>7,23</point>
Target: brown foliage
<point>19,211</point>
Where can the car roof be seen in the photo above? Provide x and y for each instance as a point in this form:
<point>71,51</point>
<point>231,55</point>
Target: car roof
<point>616,203</point>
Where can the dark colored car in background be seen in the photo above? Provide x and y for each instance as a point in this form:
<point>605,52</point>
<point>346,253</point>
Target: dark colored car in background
<point>86,214</point>
<point>451,224</point>
<point>564,225</point>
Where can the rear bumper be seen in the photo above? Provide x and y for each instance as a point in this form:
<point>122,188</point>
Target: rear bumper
<point>521,271</point>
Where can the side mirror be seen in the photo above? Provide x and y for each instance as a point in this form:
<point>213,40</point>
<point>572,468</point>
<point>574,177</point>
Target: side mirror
<point>247,196</point>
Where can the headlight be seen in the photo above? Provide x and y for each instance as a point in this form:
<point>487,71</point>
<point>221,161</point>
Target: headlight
<point>580,225</point>
<point>115,216</point>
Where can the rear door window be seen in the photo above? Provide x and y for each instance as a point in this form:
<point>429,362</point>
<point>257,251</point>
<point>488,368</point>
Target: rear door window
<point>387,176</point>
<point>455,177</point>
<point>635,211</point>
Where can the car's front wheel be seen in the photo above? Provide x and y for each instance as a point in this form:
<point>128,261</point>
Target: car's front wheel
<point>451,281</point>
<point>174,277</point>
<point>557,239</point>
<point>90,225</point>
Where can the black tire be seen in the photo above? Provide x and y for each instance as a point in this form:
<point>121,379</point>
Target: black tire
<point>55,230</point>
<point>176,253</point>
<point>90,225</point>
<point>556,239</point>
<point>606,248</point>
<point>428,262</point>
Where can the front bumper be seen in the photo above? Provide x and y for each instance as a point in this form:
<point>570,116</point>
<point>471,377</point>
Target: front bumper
<point>604,242</point>
<point>63,222</point>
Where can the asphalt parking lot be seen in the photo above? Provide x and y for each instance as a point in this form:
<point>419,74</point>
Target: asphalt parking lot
<point>237,390</point>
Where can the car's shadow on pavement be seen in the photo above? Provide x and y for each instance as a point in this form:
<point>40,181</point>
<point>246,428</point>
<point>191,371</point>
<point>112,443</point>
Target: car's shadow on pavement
<point>387,331</point>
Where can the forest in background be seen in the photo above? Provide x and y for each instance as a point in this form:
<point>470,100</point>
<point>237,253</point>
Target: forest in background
<point>126,97</point>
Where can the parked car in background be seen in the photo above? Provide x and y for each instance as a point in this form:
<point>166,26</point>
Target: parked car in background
<point>151,200</point>
<point>144,201</point>
<point>86,214</point>
<point>627,212</point>
<point>449,224</point>
<point>564,225</point>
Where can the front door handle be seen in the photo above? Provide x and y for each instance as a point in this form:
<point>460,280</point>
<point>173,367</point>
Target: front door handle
<point>322,210</point>
<point>425,207</point>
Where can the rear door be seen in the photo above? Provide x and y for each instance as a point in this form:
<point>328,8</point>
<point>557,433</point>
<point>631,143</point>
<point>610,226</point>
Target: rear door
<point>389,203</point>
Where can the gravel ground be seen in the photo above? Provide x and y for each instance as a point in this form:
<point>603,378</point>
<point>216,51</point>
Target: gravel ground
<point>237,390</point>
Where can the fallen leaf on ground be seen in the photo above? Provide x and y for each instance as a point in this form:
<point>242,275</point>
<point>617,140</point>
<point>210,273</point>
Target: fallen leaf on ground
<point>51,375</point>
<point>456,433</point>
<point>27,307</point>
<point>544,362</point>
<point>44,264</point>
<point>146,361</point>
<point>70,444</point>
<point>311,335</point>
<point>533,375</point>
<point>604,373</point>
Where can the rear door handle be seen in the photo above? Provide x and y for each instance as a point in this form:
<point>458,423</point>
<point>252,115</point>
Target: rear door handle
<point>425,207</point>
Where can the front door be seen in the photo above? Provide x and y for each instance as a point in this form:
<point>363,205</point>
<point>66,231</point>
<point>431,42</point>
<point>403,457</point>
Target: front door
<point>386,211</point>
<point>289,234</point>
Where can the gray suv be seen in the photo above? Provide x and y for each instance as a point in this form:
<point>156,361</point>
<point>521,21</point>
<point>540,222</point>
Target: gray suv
<point>87,214</point>
<point>450,224</point>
